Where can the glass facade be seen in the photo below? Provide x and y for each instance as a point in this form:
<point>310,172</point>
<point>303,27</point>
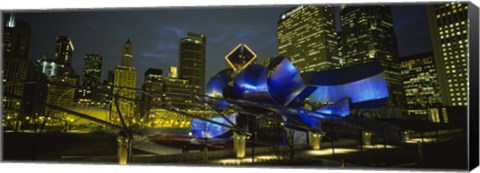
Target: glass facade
<point>307,36</point>
<point>191,60</point>
<point>449,33</point>
<point>92,70</point>
<point>420,82</point>
<point>64,50</point>
<point>367,35</point>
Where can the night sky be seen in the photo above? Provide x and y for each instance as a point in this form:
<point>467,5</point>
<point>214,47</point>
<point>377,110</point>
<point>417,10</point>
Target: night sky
<point>155,32</point>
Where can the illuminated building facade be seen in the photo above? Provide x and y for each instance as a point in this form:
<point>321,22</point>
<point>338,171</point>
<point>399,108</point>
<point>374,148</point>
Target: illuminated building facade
<point>16,39</point>
<point>61,75</point>
<point>153,85</point>
<point>124,85</point>
<point>48,66</point>
<point>177,90</point>
<point>191,60</point>
<point>448,25</point>
<point>106,90</point>
<point>16,69</point>
<point>64,50</point>
<point>307,36</point>
<point>92,70</point>
<point>367,35</point>
<point>422,92</point>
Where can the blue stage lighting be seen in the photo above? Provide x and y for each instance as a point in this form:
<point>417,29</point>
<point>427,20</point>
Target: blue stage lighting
<point>205,129</point>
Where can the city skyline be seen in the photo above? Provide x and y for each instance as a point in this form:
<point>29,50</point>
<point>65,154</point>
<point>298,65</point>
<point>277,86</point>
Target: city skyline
<point>110,28</point>
<point>350,79</point>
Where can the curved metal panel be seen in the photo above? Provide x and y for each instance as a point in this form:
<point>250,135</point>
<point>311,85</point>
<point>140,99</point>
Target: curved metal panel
<point>251,84</point>
<point>218,83</point>
<point>339,108</point>
<point>364,90</point>
<point>284,81</point>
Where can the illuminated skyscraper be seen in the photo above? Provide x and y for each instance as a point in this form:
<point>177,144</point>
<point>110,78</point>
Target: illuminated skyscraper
<point>449,33</point>
<point>16,69</point>
<point>62,78</point>
<point>92,70</point>
<point>307,36</point>
<point>153,85</point>
<point>64,50</point>
<point>16,39</point>
<point>106,89</point>
<point>48,66</point>
<point>124,85</point>
<point>367,35</point>
<point>192,61</point>
<point>421,87</point>
<point>177,91</point>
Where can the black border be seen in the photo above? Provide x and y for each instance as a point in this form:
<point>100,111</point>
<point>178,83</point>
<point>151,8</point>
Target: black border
<point>473,82</point>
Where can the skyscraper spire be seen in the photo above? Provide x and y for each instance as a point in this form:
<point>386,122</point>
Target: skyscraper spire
<point>127,54</point>
<point>124,83</point>
<point>11,21</point>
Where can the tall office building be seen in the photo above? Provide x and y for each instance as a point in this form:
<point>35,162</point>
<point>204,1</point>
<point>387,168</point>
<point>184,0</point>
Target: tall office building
<point>92,70</point>
<point>106,89</point>
<point>177,90</point>
<point>421,87</point>
<point>124,85</point>
<point>153,85</point>
<point>449,33</point>
<point>14,108</point>
<point>61,75</point>
<point>64,50</point>
<point>192,61</point>
<point>367,35</point>
<point>16,38</point>
<point>48,66</point>
<point>307,36</point>
<point>16,69</point>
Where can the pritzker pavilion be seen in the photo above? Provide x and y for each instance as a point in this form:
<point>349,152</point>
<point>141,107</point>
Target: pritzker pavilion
<point>278,91</point>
